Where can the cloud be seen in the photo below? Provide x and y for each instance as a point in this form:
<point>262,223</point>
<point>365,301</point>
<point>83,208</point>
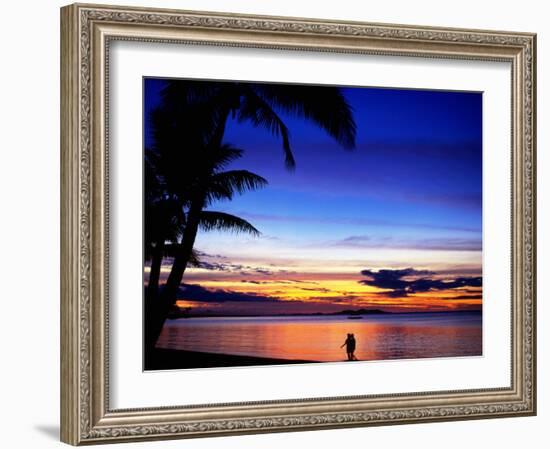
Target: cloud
<point>408,280</point>
<point>461,270</point>
<point>355,221</point>
<point>211,256</point>
<point>234,268</point>
<point>469,201</point>
<point>466,297</point>
<point>193,292</point>
<point>319,290</point>
<point>295,281</point>
<point>278,281</point>
<point>433,244</point>
<point>214,266</point>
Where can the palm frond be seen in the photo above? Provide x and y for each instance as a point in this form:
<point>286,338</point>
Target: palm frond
<point>323,105</point>
<point>256,110</point>
<point>194,259</point>
<point>164,220</point>
<point>152,178</point>
<point>170,250</point>
<point>188,91</point>
<point>223,156</point>
<point>224,185</point>
<point>221,221</point>
<point>201,107</point>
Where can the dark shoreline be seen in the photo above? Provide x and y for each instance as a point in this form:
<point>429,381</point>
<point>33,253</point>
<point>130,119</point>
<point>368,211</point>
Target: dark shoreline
<point>163,359</point>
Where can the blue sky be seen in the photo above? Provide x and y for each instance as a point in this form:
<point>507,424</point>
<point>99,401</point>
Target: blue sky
<point>409,194</point>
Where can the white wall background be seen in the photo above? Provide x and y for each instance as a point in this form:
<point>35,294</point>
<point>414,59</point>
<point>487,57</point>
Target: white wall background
<point>29,228</point>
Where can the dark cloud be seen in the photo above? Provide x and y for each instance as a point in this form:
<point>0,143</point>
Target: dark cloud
<point>355,239</point>
<point>193,292</point>
<point>464,270</point>
<point>232,268</point>
<point>278,281</point>
<point>213,266</point>
<point>391,279</point>
<point>253,281</point>
<point>313,289</point>
<point>296,281</point>
<point>211,256</point>
<point>408,280</point>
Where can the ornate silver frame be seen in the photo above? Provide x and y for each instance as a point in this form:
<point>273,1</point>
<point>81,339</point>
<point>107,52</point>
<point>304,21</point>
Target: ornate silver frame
<point>86,32</point>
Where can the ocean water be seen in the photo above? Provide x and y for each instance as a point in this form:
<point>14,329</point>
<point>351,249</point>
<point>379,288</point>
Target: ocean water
<point>318,338</point>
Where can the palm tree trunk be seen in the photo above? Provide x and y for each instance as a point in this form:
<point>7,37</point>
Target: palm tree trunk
<point>157,313</point>
<point>151,305</point>
<point>183,252</point>
<point>154,274</point>
<point>157,310</point>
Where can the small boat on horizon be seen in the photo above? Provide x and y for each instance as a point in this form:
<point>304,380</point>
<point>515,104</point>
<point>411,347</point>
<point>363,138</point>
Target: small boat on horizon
<point>355,317</point>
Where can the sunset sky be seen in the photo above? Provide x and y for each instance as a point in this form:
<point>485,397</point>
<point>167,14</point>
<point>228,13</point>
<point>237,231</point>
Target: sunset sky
<point>394,224</point>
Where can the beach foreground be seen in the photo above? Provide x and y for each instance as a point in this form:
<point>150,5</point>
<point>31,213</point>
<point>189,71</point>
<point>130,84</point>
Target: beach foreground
<point>162,359</point>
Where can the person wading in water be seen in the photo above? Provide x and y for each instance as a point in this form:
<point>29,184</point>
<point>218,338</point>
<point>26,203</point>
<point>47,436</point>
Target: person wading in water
<point>350,347</point>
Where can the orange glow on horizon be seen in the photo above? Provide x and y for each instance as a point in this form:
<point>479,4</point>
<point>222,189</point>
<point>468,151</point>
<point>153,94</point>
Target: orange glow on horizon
<point>345,293</point>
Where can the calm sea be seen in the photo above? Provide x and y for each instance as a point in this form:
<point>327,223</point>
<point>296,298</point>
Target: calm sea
<point>318,338</point>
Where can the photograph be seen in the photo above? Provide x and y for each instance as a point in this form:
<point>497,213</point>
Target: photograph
<point>299,223</point>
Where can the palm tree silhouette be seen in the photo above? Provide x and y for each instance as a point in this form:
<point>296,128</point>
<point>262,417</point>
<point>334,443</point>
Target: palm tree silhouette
<point>163,221</point>
<point>171,222</point>
<point>258,103</point>
<point>201,109</point>
<point>173,171</point>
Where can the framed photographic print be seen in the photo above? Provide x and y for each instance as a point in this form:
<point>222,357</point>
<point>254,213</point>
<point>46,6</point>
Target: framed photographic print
<point>266,221</point>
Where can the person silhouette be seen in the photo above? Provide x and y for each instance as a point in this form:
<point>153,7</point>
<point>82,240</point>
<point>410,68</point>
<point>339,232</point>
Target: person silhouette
<point>350,346</point>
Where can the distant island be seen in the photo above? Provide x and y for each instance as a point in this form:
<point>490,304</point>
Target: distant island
<point>360,312</point>
<point>178,312</point>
